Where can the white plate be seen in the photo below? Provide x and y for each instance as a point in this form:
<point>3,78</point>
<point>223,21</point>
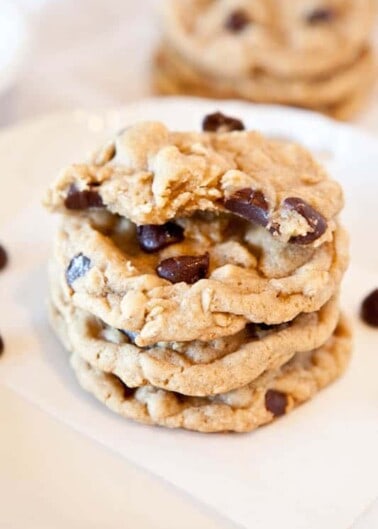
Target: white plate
<point>13,43</point>
<point>315,468</point>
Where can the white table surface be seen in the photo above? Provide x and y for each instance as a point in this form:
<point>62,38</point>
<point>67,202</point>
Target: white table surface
<point>88,53</point>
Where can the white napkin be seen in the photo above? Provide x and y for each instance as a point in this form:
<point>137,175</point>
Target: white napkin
<point>315,468</point>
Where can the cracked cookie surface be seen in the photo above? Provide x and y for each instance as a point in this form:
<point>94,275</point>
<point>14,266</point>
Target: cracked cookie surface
<point>99,265</point>
<point>151,175</point>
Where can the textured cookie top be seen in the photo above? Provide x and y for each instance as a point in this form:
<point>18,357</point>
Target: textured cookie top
<point>234,38</point>
<point>191,368</point>
<point>204,284</point>
<point>151,175</point>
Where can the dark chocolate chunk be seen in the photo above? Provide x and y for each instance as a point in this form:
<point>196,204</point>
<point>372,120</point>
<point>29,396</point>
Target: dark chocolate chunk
<point>369,309</point>
<point>187,268</point>
<point>321,15</point>
<point>1,346</point>
<point>78,200</point>
<point>276,402</point>
<point>250,205</point>
<point>152,237</point>
<point>315,220</point>
<point>3,257</point>
<point>237,21</point>
<point>218,122</point>
<point>78,267</point>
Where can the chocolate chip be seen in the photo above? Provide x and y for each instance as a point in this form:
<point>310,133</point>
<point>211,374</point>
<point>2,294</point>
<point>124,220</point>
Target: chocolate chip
<point>276,402</point>
<point>3,258</point>
<point>187,268</point>
<point>369,309</point>
<point>315,220</point>
<point>218,122</point>
<point>237,21</point>
<point>250,205</point>
<point>1,346</point>
<point>152,237</point>
<point>321,15</point>
<point>85,199</point>
<point>78,267</point>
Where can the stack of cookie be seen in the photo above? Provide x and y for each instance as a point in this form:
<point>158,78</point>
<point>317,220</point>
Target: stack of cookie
<point>195,276</point>
<point>312,54</point>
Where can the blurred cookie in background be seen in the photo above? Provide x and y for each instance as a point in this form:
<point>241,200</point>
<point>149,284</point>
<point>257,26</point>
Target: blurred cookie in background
<point>307,53</point>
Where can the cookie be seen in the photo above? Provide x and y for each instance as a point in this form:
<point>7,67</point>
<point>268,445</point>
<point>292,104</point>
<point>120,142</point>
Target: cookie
<point>275,393</point>
<point>231,278</point>
<point>173,75</point>
<point>151,175</point>
<point>192,368</point>
<point>237,39</point>
<point>352,105</point>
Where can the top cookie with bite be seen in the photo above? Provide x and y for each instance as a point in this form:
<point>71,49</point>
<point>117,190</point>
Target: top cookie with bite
<point>152,175</point>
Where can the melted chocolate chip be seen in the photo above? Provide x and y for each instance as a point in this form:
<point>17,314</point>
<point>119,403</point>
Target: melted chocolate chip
<point>78,200</point>
<point>152,237</point>
<point>250,205</point>
<point>3,258</point>
<point>369,309</point>
<point>276,402</point>
<point>187,268</point>
<point>237,21</point>
<point>78,267</point>
<point>218,122</point>
<point>1,346</point>
<point>315,220</point>
<point>321,15</point>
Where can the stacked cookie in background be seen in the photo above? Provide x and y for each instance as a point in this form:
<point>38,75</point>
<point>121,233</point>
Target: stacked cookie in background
<point>313,54</point>
<point>195,276</point>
